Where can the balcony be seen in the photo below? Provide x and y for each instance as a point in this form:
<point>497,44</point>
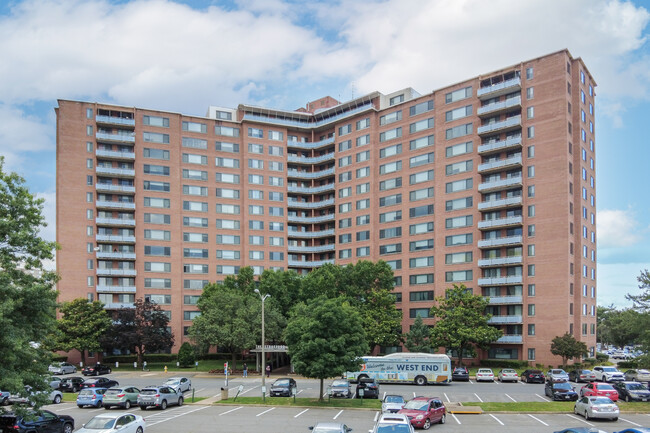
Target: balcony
<point>310,160</point>
<point>107,187</point>
<point>115,222</point>
<point>306,124</point>
<point>500,281</point>
<point>311,220</point>
<point>310,235</point>
<point>316,249</point>
<point>114,205</point>
<point>501,164</point>
<point>110,154</point>
<point>114,255</point>
<point>311,145</point>
<point>116,172</point>
<point>115,239</point>
<point>110,120</point>
<point>116,273</point>
<point>509,124</point>
<point>503,203</point>
<point>501,145</point>
<point>502,88</point>
<point>310,204</point>
<point>311,190</point>
<point>500,242</point>
<point>115,137</point>
<point>118,305</point>
<point>504,320</point>
<point>310,174</point>
<point>499,107</point>
<point>500,261</point>
<point>500,222</point>
<point>505,300</point>
<point>501,184</point>
<point>510,339</point>
<point>308,264</point>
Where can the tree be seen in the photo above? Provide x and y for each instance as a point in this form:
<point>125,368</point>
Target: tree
<point>27,297</point>
<point>642,301</point>
<point>81,326</point>
<point>284,288</point>
<point>325,337</point>
<point>462,323</point>
<point>142,329</point>
<point>418,338</point>
<point>568,347</point>
<point>186,356</point>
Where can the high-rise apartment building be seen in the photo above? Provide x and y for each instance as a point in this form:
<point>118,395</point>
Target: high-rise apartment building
<point>489,182</point>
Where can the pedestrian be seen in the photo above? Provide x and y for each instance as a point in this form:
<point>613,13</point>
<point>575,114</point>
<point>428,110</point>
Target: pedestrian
<point>268,370</point>
<point>245,370</point>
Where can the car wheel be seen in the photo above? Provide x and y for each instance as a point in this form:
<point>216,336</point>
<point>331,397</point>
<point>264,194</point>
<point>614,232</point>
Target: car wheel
<point>163,405</point>
<point>96,373</point>
<point>443,419</point>
<point>127,405</point>
<point>100,404</point>
<point>107,407</point>
<point>427,424</point>
<point>575,410</point>
<point>180,401</point>
<point>627,398</point>
<point>110,371</point>
<point>586,415</point>
<point>139,430</point>
<point>420,380</point>
<point>57,399</point>
<point>67,428</point>
<point>80,406</point>
<point>615,418</point>
<point>143,407</point>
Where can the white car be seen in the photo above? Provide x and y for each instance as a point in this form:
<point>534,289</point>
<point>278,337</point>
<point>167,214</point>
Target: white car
<point>62,368</point>
<point>182,384</point>
<point>606,373</point>
<point>508,375</point>
<point>113,422</point>
<point>484,375</point>
<point>394,423</point>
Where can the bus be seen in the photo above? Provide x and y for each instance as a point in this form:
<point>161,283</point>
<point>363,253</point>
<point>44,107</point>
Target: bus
<point>417,368</point>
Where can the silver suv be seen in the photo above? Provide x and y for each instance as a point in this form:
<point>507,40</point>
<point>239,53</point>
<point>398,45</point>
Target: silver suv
<point>606,373</point>
<point>159,396</point>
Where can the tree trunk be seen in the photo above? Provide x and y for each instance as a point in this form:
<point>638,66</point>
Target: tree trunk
<point>233,361</point>
<point>460,356</point>
<point>83,357</point>
<point>320,395</point>
<point>138,350</point>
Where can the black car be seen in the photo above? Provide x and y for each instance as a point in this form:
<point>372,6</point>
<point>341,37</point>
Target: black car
<point>369,386</point>
<point>96,370</point>
<point>100,382</point>
<point>71,384</point>
<point>460,374</point>
<point>45,421</point>
<point>632,391</point>
<point>533,376</point>
<point>283,387</point>
<point>562,391</point>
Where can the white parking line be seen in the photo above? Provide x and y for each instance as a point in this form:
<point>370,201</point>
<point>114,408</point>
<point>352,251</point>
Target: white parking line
<point>250,389</point>
<point>149,424</point>
<point>299,391</point>
<point>471,382</point>
<point>543,398</point>
<point>479,398</point>
<point>414,395</point>
<point>511,398</point>
<point>627,420</point>
<point>231,410</point>
<point>376,416</point>
<point>384,396</point>
<point>198,390</point>
<point>97,410</point>
<point>296,416</point>
<point>267,410</point>
<point>454,416</point>
<point>446,396</point>
<point>579,419</point>
<point>537,419</point>
<point>148,374</point>
<point>337,415</point>
<point>497,419</point>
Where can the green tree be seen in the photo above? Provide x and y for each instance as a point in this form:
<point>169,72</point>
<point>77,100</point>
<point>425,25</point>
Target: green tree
<point>642,301</point>
<point>568,347</point>
<point>142,329</point>
<point>325,337</point>
<point>284,288</point>
<point>81,326</point>
<point>462,323</point>
<point>186,355</point>
<point>418,338</point>
<point>27,295</point>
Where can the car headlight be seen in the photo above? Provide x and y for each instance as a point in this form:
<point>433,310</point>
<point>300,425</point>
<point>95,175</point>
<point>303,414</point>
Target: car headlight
<point>419,417</point>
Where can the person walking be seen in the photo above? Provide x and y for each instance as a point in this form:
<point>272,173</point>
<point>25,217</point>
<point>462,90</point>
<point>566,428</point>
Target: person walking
<point>245,370</point>
<point>268,370</point>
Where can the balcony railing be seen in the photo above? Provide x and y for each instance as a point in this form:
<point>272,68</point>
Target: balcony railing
<point>311,204</point>
<point>114,188</point>
<point>316,249</point>
<point>117,272</point>
<point>499,281</point>
<point>502,320</point>
<point>510,339</point>
<point>310,174</point>
<point>310,145</point>
<point>500,184</point>
<point>507,163</point>
<point>496,107</point>
<point>498,242</point>
<point>115,238</point>
<point>115,120</point>
<point>310,235</point>
<point>118,222</point>
<point>310,160</point>
<point>308,264</point>
<point>311,190</point>
<point>116,289</point>
<point>115,205</point>
<point>501,203</point>
<point>121,138</point>
<point>500,261</point>
<point>500,222</point>
<point>114,255</point>
<point>513,122</point>
<point>118,305</point>
<point>498,146</point>
<point>111,154</point>
<point>498,300</point>
<point>312,220</point>
<point>499,89</point>
<point>119,172</point>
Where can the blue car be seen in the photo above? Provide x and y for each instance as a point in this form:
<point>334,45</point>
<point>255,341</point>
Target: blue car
<point>581,430</point>
<point>91,397</point>
<point>635,430</point>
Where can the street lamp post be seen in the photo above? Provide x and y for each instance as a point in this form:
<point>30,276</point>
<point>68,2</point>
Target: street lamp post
<point>263,298</point>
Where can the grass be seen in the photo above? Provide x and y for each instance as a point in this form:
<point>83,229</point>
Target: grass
<point>204,366</point>
<point>306,402</point>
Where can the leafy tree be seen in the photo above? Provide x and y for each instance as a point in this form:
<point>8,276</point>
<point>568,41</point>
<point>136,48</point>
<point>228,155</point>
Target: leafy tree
<point>142,329</point>
<point>27,299</point>
<point>418,338</point>
<point>568,347</point>
<point>462,323</point>
<point>325,337</point>
<point>186,356</point>
<point>82,325</point>
<point>642,301</point>
<point>284,288</point>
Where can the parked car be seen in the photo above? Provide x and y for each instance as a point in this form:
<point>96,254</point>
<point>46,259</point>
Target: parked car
<point>599,389</point>
<point>330,427</point>
<point>91,397</point>
<point>4,397</point>
<point>393,423</point>
<point>283,387</point>
<point>71,384</point>
<point>557,375</point>
<point>368,386</point>
<point>121,397</point>
<point>608,374</point>
<point>460,374</point>
<point>533,376</point>
<point>54,381</point>
<point>641,375</point>
<point>582,376</point>
<point>562,391</point>
<point>484,375</point>
<point>424,411</point>
<point>62,368</point>
<point>96,370</point>
<point>508,375</point>
<point>55,396</point>
<point>392,403</point>
<point>341,388</point>
<point>159,396</point>
<point>42,421</point>
<point>100,382</point>
<point>632,391</point>
<point>581,430</point>
<point>182,384</point>
<point>596,407</point>
<point>635,430</point>
<point>110,423</point>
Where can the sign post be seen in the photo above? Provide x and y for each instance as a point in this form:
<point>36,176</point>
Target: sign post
<point>225,369</point>
<point>240,388</point>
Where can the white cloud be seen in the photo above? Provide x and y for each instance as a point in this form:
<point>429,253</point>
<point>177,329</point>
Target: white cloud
<point>20,135</point>
<point>617,228</point>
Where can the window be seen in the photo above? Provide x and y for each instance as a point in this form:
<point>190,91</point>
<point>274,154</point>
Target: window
<point>531,132</point>
<point>195,174</point>
<point>531,290</point>
<point>531,171</point>
<point>459,149</point>
<point>461,239</point>
<point>227,193</point>
<point>345,223</point>
<point>530,93</point>
<point>231,209</point>
<point>425,295</point>
<point>459,185</point>
<point>454,258</point>
<point>158,235</point>
<point>256,163</point>
<point>255,194</point>
<point>363,235</point>
<point>155,153</point>
<point>390,249</point>
<point>255,132</point>
<point>194,143</point>
<point>419,160</point>
<point>195,127</point>
<point>157,250</point>
<point>345,254</point>
<point>420,108</point>
<point>221,146</point>
<point>422,176</point>
<point>390,167</point>
<point>421,142</point>
<point>363,140</point>
<point>531,211</point>
<point>417,229</point>
<point>388,118</point>
<point>227,162</point>
<point>276,135</point>
<point>419,312</point>
<point>393,232</point>
<point>457,222</point>
<point>396,99</point>
<point>254,210</point>
<point>195,190</point>
<point>390,216</point>
<point>389,151</point>
<point>363,124</point>
<point>385,185</point>
<point>421,245</point>
<point>363,172</point>
<point>529,73</point>
<point>531,329</point>
<point>390,134</point>
<point>345,145</point>
<point>363,220</point>
<point>227,131</point>
<point>389,200</point>
<point>156,202</point>
<point>156,121</point>
<point>195,222</point>
<point>346,176</point>
<point>458,95</point>
<point>276,166</point>
<point>530,112</point>
<point>195,206</point>
<point>157,170</point>
<point>155,137</point>
<point>150,185</point>
<point>421,194</point>
<point>458,113</point>
<point>365,155</point>
<point>459,167</point>
<point>420,211</point>
<point>452,276</point>
<point>344,130</point>
<point>363,251</point>
<point>531,270</point>
<point>421,125</point>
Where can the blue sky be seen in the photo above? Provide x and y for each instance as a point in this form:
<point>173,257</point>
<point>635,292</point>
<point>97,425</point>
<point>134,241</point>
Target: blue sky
<point>186,55</point>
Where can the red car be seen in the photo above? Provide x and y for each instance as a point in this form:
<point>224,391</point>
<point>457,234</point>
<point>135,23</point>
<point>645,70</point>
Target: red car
<point>599,389</point>
<point>424,411</point>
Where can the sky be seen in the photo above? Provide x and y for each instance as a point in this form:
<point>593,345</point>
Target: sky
<point>183,56</point>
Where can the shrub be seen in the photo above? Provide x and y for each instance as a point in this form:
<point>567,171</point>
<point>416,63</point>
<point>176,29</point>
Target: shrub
<point>628,364</point>
<point>186,356</point>
<point>602,357</point>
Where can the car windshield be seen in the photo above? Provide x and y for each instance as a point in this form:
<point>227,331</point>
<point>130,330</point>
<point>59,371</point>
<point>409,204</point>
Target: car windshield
<point>508,370</point>
<point>113,391</point>
<point>100,423</point>
<point>636,387</point>
<point>609,369</point>
<point>393,428</point>
<point>417,405</point>
<point>601,400</point>
<point>340,383</point>
<point>558,372</point>
<point>605,387</point>
<point>172,382</point>
<point>563,386</point>
<point>86,392</point>
<point>586,371</point>
<point>460,370</point>
<point>484,371</point>
<point>149,391</point>
<point>394,399</point>
<point>281,382</point>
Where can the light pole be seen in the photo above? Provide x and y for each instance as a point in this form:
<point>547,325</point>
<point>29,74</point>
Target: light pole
<point>263,298</point>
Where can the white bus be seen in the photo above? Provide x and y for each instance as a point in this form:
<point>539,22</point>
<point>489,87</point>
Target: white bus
<point>417,368</point>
